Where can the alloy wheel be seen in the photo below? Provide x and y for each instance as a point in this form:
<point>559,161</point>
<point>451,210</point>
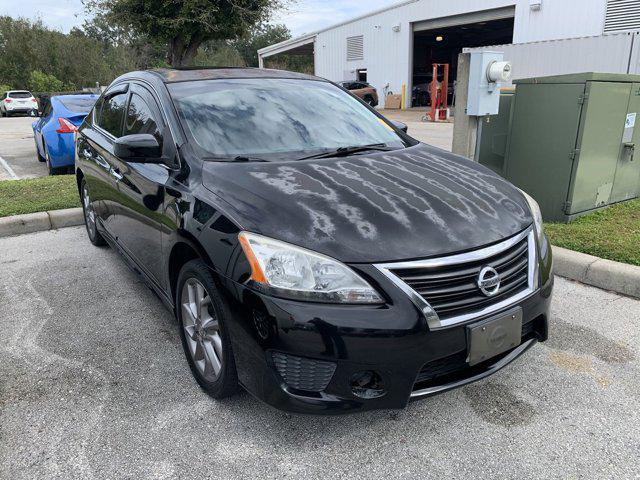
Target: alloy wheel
<point>89,214</point>
<point>202,329</point>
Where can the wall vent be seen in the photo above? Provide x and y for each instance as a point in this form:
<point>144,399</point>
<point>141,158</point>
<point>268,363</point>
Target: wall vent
<point>622,15</point>
<point>355,48</point>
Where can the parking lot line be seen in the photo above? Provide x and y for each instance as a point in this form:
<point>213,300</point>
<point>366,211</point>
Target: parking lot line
<point>8,168</point>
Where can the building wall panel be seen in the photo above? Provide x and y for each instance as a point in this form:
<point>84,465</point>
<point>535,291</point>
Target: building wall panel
<point>558,19</point>
<point>387,53</point>
<point>607,54</point>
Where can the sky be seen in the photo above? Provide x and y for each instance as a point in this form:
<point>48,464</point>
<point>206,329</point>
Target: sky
<point>301,17</point>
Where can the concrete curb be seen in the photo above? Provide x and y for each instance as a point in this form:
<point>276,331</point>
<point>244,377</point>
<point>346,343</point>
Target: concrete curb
<point>41,221</point>
<point>598,272</point>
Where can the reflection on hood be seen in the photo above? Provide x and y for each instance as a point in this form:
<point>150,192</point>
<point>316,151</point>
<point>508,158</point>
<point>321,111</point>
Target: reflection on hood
<point>404,204</point>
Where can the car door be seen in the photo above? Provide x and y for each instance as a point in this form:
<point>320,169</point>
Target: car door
<point>141,186</point>
<point>94,150</point>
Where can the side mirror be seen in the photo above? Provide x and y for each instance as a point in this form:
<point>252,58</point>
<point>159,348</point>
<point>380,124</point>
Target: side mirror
<point>141,147</point>
<point>400,125</point>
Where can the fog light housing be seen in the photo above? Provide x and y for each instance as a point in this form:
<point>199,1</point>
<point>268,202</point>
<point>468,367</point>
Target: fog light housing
<point>367,384</point>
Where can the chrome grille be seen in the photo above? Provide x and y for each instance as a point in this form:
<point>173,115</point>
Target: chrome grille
<point>446,289</point>
<point>453,290</point>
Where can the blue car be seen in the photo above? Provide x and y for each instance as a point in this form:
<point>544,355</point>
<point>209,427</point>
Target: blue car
<point>54,131</point>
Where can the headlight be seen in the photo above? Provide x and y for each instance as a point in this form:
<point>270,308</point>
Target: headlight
<point>537,216</point>
<point>290,271</point>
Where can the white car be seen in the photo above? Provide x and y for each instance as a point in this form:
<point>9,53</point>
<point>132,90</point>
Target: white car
<point>18,101</point>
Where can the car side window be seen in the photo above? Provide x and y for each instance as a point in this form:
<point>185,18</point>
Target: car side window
<point>112,113</point>
<point>97,108</point>
<point>140,118</point>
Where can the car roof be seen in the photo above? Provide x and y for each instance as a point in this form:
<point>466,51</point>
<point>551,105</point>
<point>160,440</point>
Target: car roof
<point>173,75</point>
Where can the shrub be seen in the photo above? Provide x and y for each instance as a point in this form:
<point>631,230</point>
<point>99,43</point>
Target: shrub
<point>42,82</point>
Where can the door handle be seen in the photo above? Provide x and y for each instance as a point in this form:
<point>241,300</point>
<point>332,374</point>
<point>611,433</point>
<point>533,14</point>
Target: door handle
<point>630,145</point>
<point>116,173</point>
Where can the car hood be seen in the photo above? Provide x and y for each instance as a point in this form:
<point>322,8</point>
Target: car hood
<point>411,203</point>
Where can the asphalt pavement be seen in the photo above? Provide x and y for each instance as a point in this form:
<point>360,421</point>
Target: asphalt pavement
<point>17,150</point>
<point>94,384</point>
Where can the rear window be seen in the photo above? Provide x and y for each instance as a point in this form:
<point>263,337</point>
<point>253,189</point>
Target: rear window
<point>80,104</point>
<point>20,95</point>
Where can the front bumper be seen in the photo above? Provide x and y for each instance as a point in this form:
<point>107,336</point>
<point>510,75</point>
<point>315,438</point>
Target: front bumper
<point>336,342</point>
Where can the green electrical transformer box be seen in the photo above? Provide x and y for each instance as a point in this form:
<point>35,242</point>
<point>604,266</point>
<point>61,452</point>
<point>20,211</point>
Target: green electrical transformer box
<point>570,141</point>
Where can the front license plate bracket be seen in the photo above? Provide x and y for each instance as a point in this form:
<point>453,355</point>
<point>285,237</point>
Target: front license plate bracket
<point>494,336</point>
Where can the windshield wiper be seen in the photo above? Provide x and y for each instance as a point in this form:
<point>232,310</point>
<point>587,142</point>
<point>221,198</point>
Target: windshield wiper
<point>246,158</point>
<point>238,158</point>
<point>345,151</point>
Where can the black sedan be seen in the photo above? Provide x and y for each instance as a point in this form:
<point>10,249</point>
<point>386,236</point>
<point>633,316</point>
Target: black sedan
<point>313,252</point>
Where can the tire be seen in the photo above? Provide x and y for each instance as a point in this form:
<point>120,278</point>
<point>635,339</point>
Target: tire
<point>3,113</point>
<point>369,100</point>
<point>90,217</point>
<point>204,331</point>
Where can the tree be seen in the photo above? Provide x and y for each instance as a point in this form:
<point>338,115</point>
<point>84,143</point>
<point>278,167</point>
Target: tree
<point>260,36</point>
<point>27,46</point>
<point>184,25</point>
<point>41,82</point>
<point>121,45</point>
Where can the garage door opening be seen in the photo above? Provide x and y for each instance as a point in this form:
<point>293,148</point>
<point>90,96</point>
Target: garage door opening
<point>443,45</point>
<point>298,57</point>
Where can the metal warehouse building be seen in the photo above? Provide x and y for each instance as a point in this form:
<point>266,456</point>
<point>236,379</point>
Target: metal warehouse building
<point>397,45</point>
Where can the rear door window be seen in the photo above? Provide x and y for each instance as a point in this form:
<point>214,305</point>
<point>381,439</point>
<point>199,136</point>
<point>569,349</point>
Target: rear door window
<point>112,114</point>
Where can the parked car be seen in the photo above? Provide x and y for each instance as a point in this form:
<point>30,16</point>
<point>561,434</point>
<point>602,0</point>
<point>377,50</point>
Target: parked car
<point>53,132</point>
<point>18,101</point>
<point>311,251</point>
<point>362,90</point>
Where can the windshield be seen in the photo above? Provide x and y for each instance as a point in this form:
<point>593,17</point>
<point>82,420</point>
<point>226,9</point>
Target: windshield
<point>79,104</point>
<point>20,95</point>
<point>285,118</point>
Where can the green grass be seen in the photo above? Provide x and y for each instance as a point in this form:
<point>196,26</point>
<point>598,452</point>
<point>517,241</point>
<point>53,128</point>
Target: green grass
<point>612,233</point>
<point>38,195</point>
